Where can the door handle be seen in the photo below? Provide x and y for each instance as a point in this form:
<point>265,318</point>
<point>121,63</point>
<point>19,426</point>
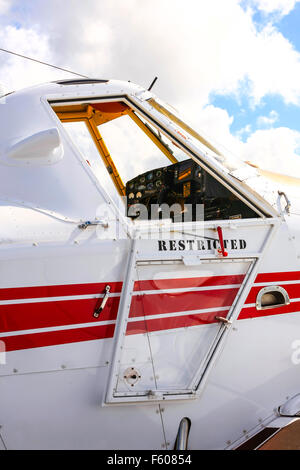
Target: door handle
<point>103,303</point>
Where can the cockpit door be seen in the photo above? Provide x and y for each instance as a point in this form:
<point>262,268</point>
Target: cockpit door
<point>176,308</point>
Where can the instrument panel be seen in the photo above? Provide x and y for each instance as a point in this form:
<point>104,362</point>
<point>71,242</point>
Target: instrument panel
<point>186,185</point>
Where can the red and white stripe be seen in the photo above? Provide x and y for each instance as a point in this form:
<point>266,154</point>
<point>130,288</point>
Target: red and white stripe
<point>40,316</point>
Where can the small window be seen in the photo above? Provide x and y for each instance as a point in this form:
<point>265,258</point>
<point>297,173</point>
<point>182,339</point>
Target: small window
<point>272,297</point>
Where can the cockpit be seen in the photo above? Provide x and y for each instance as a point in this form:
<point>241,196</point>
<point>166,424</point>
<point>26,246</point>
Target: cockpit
<point>156,176</point>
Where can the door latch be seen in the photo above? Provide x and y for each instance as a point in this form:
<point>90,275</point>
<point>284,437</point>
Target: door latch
<point>223,320</point>
<point>103,303</point>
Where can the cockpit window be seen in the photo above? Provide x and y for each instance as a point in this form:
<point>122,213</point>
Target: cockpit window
<point>229,161</point>
<point>147,169</point>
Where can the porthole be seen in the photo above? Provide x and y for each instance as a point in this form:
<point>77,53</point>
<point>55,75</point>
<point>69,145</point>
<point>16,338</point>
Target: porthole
<point>272,297</point>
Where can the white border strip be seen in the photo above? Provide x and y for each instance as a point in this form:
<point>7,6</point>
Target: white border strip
<point>116,294</point>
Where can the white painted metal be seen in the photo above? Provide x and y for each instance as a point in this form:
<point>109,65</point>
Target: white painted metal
<point>55,396</point>
<point>43,148</point>
<point>291,407</point>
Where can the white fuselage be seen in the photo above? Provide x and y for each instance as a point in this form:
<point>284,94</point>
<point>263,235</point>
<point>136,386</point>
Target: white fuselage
<point>156,353</point>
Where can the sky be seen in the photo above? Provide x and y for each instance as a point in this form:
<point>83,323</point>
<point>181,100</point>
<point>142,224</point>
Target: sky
<point>231,68</point>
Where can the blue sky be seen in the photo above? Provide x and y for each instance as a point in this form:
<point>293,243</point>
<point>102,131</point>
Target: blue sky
<point>231,67</point>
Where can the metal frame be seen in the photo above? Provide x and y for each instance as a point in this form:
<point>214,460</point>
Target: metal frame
<point>270,289</point>
<point>252,200</point>
<point>197,384</point>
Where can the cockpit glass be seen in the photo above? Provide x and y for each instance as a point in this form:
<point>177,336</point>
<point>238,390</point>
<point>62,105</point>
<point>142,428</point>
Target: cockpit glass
<point>141,162</point>
<point>222,155</point>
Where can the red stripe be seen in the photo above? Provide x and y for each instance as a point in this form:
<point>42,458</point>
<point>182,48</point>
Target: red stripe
<point>169,323</point>
<point>278,276</point>
<point>156,304</point>
<point>38,340</point>
<point>106,331</point>
<point>293,291</point>
<point>58,313</point>
<point>156,284</point>
<point>14,293</point>
<point>251,312</point>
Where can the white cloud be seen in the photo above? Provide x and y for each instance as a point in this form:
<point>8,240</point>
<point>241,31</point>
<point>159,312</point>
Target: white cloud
<point>4,6</point>
<point>15,72</point>
<point>195,49</point>
<point>274,150</point>
<point>244,130</point>
<point>273,66</point>
<point>284,7</point>
<point>268,120</point>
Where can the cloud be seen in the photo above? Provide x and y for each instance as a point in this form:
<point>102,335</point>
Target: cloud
<point>284,7</point>
<point>244,131</point>
<point>5,6</point>
<point>15,72</point>
<point>268,120</point>
<point>274,150</point>
<point>197,50</point>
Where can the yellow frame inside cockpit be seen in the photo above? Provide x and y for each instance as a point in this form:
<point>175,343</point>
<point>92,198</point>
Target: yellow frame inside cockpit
<point>93,115</point>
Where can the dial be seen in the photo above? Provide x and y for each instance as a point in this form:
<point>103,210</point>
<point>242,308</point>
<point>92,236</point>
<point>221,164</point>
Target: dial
<point>149,176</point>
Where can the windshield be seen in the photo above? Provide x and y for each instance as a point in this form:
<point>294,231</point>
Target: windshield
<point>151,172</point>
<point>229,161</point>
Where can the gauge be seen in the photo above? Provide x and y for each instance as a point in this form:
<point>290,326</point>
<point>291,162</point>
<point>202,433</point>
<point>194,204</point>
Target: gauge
<point>131,196</point>
<point>158,173</point>
<point>149,176</point>
<point>141,187</point>
<point>150,186</point>
<point>158,183</point>
<point>142,179</point>
<point>139,194</point>
<point>131,185</point>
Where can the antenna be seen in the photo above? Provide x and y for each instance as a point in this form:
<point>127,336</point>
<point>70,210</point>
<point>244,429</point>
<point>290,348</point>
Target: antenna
<point>43,63</point>
<point>152,84</point>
